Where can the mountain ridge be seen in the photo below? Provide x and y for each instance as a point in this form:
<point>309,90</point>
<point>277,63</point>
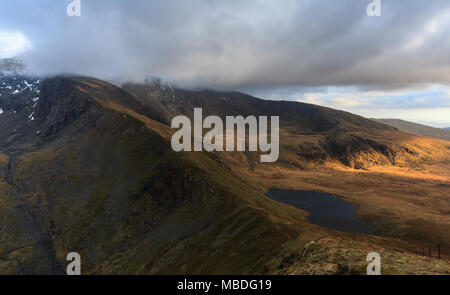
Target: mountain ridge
<point>415,128</point>
<point>100,178</point>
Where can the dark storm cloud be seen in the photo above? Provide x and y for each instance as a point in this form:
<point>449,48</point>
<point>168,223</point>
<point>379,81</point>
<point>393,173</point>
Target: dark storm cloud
<point>240,44</point>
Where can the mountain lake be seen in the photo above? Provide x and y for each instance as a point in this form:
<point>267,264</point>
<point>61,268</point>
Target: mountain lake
<point>325,209</point>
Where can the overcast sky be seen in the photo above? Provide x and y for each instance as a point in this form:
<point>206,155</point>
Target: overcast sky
<point>324,52</point>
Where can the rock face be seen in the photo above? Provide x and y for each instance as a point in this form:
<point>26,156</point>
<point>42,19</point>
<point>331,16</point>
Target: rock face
<point>19,100</point>
<point>11,65</point>
<point>86,166</point>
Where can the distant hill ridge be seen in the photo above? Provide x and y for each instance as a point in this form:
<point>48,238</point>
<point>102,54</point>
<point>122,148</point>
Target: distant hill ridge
<point>416,128</point>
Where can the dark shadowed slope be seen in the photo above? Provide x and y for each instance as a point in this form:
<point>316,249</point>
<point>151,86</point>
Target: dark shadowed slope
<point>306,118</point>
<point>83,174</point>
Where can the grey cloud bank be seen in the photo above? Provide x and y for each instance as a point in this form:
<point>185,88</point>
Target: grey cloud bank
<point>239,44</point>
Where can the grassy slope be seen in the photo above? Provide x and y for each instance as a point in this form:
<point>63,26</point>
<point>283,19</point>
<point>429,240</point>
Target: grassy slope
<point>400,182</point>
<point>110,187</point>
<point>342,266</point>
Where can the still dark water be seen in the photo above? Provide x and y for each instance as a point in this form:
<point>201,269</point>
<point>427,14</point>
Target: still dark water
<point>326,210</point>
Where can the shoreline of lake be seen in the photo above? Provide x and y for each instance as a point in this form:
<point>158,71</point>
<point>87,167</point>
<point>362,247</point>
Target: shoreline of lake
<point>325,209</point>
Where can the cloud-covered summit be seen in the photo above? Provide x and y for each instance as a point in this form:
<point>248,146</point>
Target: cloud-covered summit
<point>322,51</point>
